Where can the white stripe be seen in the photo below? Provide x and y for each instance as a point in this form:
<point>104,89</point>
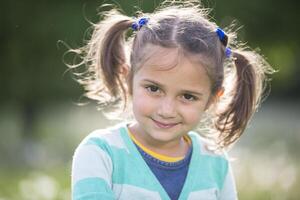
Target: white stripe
<point>125,192</point>
<point>208,194</point>
<point>111,136</point>
<point>89,161</point>
<point>229,191</point>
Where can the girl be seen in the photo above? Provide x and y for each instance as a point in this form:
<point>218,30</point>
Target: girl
<point>190,95</point>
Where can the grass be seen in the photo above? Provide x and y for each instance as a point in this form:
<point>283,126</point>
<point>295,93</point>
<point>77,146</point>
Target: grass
<point>33,184</point>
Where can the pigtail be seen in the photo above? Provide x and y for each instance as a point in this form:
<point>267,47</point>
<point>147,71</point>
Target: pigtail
<point>251,70</point>
<point>112,56</point>
<point>105,60</point>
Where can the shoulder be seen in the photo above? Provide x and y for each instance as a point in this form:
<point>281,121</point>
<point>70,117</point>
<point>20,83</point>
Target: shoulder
<point>218,161</point>
<point>101,143</point>
<point>110,137</point>
<point>94,156</point>
<point>205,146</point>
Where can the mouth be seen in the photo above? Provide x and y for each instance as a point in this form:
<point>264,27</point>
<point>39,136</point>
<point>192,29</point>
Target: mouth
<point>164,125</point>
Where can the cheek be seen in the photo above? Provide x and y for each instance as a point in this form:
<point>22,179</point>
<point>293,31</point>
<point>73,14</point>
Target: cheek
<point>193,115</point>
<point>141,103</point>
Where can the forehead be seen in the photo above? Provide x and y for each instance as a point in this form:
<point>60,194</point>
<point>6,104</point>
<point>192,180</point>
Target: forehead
<point>163,58</point>
<point>171,67</point>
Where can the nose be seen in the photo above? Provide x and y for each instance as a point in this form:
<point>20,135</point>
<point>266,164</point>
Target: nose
<point>167,108</point>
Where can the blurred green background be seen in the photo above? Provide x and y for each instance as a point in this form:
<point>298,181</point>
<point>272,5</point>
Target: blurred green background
<point>41,123</point>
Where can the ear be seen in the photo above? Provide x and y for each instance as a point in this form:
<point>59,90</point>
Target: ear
<point>220,92</point>
<point>129,79</point>
<point>124,69</point>
<point>214,98</point>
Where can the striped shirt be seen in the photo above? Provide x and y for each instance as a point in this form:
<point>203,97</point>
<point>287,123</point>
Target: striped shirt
<point>107,165</point>
<point>170,171</point>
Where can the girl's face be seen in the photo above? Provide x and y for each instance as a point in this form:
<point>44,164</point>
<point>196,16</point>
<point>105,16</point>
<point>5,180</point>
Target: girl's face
<point>168,101</point>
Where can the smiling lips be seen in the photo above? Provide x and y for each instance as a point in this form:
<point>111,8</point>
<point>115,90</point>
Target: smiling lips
<point>164,125</point>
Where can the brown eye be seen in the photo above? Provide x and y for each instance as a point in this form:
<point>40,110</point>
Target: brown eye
<point>189,97</point>
<point>152,88</point>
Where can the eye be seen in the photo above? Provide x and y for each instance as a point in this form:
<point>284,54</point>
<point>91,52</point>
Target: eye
<point>190,97</point>
<point>152,88</point>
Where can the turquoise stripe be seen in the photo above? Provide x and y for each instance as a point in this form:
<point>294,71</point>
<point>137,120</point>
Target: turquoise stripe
<point>92,189</point>
<point>100,143</point>
<point>213,171</point>
<point>220,166</point>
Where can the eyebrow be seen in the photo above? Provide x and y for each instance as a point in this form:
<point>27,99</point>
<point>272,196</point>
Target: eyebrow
<point>162,86</point>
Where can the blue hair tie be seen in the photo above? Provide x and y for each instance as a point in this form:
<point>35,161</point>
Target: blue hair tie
<point>224,40</point>
<point>222,36</point>
<point>140,23</point>
<point>220,33</point>
<point>227,52</point>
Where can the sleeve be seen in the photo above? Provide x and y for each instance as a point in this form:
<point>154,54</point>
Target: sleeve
<point>91,174</point>
<point>228,191</point>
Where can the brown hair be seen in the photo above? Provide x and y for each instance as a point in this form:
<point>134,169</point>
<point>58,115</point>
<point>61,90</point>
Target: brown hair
<point>114,53</point>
